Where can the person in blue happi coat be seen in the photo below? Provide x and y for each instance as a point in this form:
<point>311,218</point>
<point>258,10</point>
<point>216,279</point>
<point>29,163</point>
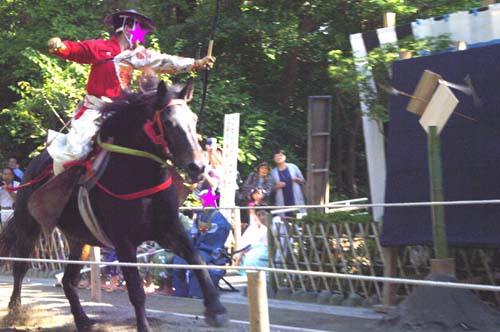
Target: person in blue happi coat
<point>209,233</point>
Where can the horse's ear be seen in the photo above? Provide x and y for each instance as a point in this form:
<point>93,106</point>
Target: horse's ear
<point>162,89</point>
<point>187,91</point>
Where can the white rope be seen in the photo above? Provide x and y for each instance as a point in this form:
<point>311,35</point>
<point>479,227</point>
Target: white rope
<point>266,269</point>
<point>341,205</point>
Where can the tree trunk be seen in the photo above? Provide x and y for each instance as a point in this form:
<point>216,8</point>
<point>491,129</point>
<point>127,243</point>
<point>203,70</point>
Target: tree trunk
<point>291,60</point>
<point>351,186</point>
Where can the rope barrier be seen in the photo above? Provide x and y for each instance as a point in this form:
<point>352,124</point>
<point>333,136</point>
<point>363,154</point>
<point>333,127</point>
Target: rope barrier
<point>333,205</point>
<point>266,269</point>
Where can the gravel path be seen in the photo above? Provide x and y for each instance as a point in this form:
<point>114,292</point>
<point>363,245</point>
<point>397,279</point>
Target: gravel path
<point>45,309</point>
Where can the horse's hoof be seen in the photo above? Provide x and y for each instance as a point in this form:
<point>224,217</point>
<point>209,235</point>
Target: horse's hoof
<point>216,319</point>
<point>14,305</point>
<point>85,324</point>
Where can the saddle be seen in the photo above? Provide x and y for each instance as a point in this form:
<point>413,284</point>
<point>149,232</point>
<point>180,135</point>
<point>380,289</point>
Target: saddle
<point>48,201</point>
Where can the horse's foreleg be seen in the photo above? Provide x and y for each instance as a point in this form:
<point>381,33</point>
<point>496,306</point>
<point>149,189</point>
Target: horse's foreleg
<point>215,313</point>
<point>134,286</point>
<point>70,282</point>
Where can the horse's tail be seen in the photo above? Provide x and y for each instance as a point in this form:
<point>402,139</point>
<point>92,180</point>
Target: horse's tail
<point>8,238</point>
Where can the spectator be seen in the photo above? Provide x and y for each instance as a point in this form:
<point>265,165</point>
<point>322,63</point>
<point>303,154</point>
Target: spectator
<point>288,182</point>
<point>259,179</point>
<point>256,198</point>
<point>7,198</point>
<point>213,168</point>
<point>15,167</point>
<point>113,273</point>
<point>209,233</point>
<point>253,248</point>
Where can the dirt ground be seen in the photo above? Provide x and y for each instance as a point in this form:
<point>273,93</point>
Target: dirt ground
<point>45,309</point>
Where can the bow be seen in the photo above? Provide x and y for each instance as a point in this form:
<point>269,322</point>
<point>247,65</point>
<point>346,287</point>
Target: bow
<point>207,67</point>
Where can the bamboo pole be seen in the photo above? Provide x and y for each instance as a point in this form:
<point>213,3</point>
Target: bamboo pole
<point>258,310</point>
<point>436,186</point>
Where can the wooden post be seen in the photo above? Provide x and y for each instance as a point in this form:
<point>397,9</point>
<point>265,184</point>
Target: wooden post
<point>390,271</point>
<point>227,184</point>
<point>258,310</point>
<point>95,275</point>
<point>436,186</point>
<point>389,19</point>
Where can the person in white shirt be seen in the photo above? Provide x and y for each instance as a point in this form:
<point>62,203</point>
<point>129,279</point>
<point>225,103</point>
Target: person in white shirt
<point>7,198</point>
<point>253,246</point>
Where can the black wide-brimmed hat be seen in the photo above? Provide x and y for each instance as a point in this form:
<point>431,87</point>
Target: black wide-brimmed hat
<point>116,19</point>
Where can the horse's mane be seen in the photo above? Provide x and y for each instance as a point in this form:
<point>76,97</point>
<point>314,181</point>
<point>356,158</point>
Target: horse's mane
<point>125,111</point>
<point>131,109</point>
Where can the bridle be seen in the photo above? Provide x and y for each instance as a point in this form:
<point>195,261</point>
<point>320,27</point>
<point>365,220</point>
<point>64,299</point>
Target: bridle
<point>156,133</point>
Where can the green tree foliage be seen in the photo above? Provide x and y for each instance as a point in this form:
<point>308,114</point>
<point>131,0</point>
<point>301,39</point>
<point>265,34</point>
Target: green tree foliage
<point>271,55</point>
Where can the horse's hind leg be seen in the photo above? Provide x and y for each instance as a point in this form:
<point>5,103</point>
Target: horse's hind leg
<point>24,246</point>
<point>70,281</point>
<point>19,271</point>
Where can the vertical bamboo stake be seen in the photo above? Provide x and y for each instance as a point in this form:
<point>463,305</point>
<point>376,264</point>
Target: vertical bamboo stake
<point>258,310</point>
<point>95,275</point>
<point>436,185</point>
<point>271,252</point>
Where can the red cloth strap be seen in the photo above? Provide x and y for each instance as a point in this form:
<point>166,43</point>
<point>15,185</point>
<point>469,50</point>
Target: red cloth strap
<point>125,197</point>
<point>80,112</point>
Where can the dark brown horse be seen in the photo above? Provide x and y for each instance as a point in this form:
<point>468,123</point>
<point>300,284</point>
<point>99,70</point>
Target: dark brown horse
<point>127,223</point>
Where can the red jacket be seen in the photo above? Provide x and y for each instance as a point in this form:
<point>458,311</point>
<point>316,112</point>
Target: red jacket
<point>103,79</point>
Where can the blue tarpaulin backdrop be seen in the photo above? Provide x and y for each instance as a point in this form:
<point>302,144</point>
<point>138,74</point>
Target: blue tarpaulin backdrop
<point>470,153</point>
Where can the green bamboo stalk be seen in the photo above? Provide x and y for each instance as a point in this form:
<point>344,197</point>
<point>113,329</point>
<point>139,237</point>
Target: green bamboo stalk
<point>436,186</point>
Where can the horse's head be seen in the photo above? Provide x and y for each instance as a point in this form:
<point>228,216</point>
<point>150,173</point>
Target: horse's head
<point>178,126</point>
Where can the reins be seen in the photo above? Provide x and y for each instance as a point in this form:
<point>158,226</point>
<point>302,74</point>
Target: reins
<point>46,172</point>
<point>129,151</point>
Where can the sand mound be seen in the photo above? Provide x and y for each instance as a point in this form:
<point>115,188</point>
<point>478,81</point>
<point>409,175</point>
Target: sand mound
<point>433,309</point>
